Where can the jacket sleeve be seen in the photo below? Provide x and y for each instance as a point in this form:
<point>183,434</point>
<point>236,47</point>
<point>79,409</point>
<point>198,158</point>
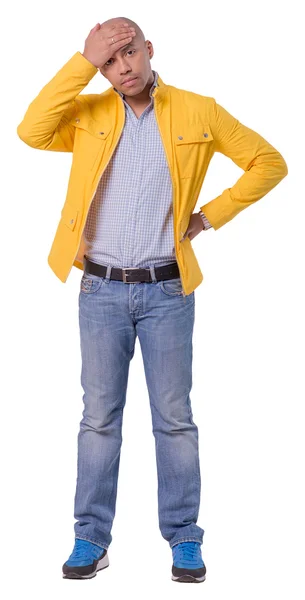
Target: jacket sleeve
<point>46,122</point>
<point>264,166</point>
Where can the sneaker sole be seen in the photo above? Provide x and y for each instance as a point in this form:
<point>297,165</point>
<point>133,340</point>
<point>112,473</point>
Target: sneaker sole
<point>188,579</point>
<point>103,563</point>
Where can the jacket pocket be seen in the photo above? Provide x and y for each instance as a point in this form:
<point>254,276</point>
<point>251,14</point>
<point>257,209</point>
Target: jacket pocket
<point>69,215</point>
<point>192,148</point>
<point>84,121</point>
<point>90,142</point>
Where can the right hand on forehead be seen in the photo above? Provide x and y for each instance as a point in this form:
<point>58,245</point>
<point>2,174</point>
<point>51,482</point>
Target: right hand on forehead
<point>98,45</point>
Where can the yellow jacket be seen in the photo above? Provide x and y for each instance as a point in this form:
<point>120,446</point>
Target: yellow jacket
<point>192,128</point>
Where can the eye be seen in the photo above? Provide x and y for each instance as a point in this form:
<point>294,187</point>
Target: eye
<point>107,63</point>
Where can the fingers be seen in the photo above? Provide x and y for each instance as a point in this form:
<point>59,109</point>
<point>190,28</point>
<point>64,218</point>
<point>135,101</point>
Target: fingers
<point>122,32</point>
<point>122,26</point>
<point>118,30</point>
<point>97,26</point>
<point>123,37</point>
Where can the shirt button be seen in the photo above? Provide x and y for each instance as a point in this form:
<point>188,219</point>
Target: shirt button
<point>101,133</point>
<point>180,137</point>
<point>72,221</point>
<point>77,120</point>
<point>205,135</point>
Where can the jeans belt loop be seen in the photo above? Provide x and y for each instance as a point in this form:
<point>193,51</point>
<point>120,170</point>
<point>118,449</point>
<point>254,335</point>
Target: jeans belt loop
<point>108,273</point>
<point>153,274</point>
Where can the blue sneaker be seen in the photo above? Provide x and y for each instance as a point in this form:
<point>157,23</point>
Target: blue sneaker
<point>84,562</point>
<point>188,565</point>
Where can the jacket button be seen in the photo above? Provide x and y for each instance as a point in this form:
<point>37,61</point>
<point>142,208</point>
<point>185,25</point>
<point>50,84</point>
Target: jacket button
<point>205,135</point>
<point>77,120</point>
<point>180,137</point>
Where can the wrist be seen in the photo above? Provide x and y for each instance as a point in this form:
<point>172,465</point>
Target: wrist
<point>202,219</point>
<point>205,220</point>
<point>87,58</point>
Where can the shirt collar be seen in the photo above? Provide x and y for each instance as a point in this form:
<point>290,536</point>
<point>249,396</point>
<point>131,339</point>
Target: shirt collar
<point>154,84</point>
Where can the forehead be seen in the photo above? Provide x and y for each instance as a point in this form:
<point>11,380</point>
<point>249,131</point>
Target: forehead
<point>132,44</point>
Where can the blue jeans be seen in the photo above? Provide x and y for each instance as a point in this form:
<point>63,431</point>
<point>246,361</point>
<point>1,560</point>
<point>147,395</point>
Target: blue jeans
<point>111,315</point>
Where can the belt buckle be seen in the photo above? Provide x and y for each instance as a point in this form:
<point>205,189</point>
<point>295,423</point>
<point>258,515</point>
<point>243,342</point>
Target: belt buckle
<point>126,274</point>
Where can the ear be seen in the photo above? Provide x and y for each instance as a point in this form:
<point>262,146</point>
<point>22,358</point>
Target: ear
<point>150,48</point>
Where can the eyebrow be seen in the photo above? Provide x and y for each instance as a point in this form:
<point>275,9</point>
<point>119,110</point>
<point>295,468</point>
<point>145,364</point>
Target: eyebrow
<point>127,46</point>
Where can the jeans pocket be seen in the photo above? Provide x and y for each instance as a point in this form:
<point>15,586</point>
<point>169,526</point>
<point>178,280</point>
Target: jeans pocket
<point>90,283</point>
<point>172,287</point>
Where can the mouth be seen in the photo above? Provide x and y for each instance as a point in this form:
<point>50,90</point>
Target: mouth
<point>130,81</point>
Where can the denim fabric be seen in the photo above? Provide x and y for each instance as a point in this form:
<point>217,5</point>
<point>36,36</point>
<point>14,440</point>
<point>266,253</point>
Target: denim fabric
<point>111,315</point>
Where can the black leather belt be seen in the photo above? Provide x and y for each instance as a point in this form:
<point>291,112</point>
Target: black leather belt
<point>132,274</point>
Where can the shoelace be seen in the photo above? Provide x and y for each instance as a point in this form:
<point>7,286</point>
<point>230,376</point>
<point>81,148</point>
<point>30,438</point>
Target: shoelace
<point>187,550</point>
<point>83,550</point>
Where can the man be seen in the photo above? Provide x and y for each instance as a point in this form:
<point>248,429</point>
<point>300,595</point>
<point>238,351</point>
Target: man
<point>140,151</point>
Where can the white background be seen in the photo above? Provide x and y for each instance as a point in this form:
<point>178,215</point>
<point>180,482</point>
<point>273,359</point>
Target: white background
<point>248,367</point>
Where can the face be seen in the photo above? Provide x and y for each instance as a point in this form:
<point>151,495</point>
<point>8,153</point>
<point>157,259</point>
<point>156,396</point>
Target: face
<point>132,60</point>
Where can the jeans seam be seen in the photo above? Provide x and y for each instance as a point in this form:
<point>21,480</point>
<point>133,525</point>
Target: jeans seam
<point>87,539</point>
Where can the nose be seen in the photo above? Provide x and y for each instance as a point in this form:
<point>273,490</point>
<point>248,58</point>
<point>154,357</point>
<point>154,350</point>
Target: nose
<point>124,66</point>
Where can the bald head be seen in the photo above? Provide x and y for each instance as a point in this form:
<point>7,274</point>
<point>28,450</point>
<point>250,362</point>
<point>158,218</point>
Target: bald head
<point>117,20</point>
<point>131,61</point>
